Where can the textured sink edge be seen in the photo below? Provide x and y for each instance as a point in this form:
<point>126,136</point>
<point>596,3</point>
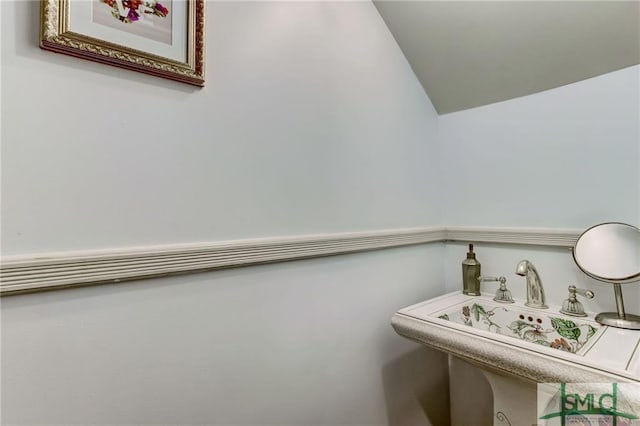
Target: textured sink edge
<point>501,357</point>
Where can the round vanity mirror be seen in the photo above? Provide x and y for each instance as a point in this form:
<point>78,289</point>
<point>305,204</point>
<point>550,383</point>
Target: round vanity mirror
<point>610,252</point>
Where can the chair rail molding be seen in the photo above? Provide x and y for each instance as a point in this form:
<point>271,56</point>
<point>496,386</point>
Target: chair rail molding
<point>47,271</point>
<point>553,237</point>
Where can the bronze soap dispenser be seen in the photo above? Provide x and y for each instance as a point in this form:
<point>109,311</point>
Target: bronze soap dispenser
<point>471,274</point>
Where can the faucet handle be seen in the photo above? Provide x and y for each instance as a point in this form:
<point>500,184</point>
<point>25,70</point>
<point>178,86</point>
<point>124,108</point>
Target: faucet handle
<point>503,295</point>
<point>572,305</point>
<point>490,278</point>
<point>582,292</point>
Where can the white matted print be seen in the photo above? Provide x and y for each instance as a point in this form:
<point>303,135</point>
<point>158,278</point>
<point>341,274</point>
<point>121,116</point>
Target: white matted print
<point>146,18</point>
<point>83,21</point>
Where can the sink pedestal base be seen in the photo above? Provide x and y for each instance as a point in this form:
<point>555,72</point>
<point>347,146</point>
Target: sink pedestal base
<point>514,400</point>
<point>479,396</point>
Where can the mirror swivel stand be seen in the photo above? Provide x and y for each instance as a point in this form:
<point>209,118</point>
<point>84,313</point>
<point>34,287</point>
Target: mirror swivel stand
<point>619,319</point>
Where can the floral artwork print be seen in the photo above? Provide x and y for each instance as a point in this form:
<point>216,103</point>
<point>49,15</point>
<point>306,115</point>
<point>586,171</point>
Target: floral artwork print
<point>481,314</point>
<point>553,332</point>
<point>569,331</point>
<point>129,11</point>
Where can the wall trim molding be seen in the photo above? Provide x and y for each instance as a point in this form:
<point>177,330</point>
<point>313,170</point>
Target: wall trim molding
<point>554,237</point>
<point>38,272</point>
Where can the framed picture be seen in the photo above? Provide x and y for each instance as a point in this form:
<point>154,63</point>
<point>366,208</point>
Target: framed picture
<point>164,38</point>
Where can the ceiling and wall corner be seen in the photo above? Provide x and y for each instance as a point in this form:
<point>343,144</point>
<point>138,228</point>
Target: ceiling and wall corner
<point>472,53</point>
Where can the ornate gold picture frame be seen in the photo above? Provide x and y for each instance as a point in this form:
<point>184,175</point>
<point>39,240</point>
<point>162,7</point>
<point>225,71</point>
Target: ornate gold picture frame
<point>164,38</point>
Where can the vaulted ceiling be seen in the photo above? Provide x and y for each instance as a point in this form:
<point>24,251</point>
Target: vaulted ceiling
<point>472,53</point>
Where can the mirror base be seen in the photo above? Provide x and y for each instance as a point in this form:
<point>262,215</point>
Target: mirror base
<point>612,319</point>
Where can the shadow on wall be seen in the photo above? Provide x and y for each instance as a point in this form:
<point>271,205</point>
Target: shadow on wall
<point>470,394</point>
<point>416,388</point>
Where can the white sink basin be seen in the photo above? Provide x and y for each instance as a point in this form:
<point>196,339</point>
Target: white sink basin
<point>557,332</point>
<point>540,345</point>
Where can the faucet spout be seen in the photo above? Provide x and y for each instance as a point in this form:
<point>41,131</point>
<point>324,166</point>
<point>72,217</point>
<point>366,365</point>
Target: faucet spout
<point>535,291</point>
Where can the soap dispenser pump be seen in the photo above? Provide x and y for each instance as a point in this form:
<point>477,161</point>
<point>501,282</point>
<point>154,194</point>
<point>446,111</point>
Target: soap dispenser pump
<point>471,274</point>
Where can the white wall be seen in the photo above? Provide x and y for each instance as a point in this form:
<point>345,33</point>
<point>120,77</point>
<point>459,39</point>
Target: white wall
<point>305,101</point>
<point>563,158</point>
<point>311,121</point>
<point>301,343</point>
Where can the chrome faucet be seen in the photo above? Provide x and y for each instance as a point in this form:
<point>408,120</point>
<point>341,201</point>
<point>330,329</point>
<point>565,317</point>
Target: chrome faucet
<point>535,291</point>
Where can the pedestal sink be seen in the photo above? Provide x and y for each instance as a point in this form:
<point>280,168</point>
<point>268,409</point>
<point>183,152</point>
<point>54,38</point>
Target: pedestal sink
<point>517,347</point>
